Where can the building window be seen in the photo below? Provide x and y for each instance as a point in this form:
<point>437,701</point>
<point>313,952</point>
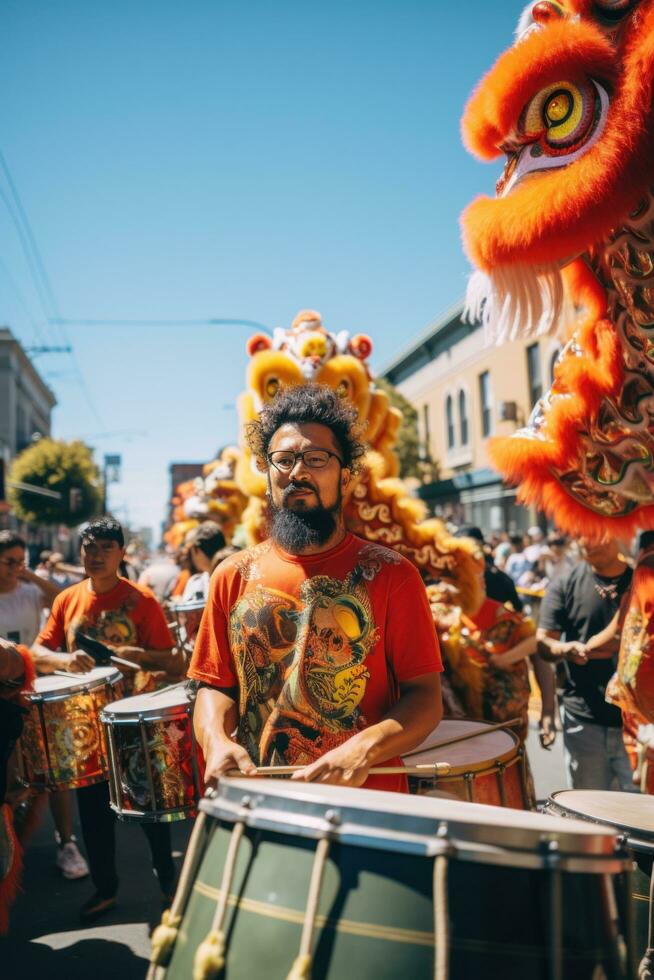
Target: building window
<point>485,403</point>
<point>425,430</point>
<point>449,416</point>
<point>463,417</point>
<point>553,359</point>
<point>533,371</point>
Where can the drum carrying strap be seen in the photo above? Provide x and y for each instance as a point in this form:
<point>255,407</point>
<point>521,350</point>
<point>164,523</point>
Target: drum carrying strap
<point>164,936</point>
<point>301,969</point>
<point>210,955</point>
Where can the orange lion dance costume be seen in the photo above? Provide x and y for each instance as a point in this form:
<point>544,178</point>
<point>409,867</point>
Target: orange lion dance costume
<point>571,232</point>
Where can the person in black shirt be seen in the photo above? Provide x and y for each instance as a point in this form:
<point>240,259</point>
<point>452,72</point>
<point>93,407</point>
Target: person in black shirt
<point>577,606</point>
<point>499,586</point>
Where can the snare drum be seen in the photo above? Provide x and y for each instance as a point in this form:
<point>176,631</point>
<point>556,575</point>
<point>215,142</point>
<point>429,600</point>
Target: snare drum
<point>489,768</point>
<point>153,756</point>
<point>63,743</point>
<point>633,816</point>
<point>331,882</point>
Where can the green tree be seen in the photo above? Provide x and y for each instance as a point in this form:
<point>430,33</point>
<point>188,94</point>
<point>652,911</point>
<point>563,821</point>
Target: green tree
<point>410,453</point>
<point>62,467</point>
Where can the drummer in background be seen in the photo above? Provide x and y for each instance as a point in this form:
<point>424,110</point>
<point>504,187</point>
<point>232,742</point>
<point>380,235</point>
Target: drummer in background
<point>206,544</point>
<point>128,618</point>
<point>23,597</point>
<point>577,606</point>
<point>316,647</point>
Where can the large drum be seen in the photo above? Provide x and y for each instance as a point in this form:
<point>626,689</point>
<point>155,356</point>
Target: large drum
<point>489,768</point>
<point>63,744</point>
<point>632,815</point>
<point>336,882</point>
<point>153,756</point>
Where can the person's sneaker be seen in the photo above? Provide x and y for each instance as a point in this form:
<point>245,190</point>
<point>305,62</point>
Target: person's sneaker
<point>70,862</point>
<point>96,906</point>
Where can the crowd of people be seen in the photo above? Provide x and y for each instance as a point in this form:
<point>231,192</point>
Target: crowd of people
<point>303,650</point>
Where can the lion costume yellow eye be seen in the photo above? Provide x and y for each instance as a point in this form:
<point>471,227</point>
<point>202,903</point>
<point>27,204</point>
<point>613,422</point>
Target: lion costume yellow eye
<point>561,118</point>
<point>271,387</point>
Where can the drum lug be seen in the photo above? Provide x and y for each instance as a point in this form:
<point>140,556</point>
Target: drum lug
<point>333,817</point>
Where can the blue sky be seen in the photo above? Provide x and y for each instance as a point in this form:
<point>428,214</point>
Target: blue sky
<point>216,158</point>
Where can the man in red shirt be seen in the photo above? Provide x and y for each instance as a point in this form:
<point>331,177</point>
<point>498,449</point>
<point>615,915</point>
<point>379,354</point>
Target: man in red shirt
<point>128,618</point>
<point>318,648</point>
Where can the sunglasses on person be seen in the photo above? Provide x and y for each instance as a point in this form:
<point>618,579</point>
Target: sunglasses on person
<point>314,459</point>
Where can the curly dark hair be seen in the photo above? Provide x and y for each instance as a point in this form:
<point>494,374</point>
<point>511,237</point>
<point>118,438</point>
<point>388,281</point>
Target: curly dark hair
<point>102,529</point>
<point>303,405</point>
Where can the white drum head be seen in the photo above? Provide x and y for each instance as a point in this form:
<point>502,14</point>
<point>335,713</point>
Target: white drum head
<point>632,812</point>
<point>463,756</point>
<point>155,703</point>
<point>56,686</point>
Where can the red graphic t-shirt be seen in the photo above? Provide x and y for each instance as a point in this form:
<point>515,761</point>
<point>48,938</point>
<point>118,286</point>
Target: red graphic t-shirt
<point>127,615</point>
<point>317,645</point>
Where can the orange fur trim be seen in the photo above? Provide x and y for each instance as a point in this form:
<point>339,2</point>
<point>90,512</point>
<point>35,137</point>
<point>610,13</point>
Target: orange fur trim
<point>10,884</point>
<point>563,51</point>
<point>586,199</point>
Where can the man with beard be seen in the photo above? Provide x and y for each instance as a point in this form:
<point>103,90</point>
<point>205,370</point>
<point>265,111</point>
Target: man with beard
<point>317,649</point>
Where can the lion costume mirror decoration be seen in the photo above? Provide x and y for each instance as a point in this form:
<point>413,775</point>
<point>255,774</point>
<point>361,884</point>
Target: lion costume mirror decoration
<point>568,245</point>
<point>378,506</point>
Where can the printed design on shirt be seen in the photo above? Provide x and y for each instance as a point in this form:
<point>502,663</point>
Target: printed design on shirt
<point>247,562</point>
<point>112,626</point>
<point>372,557</point>
<point>301,667</point>
<point>634,643</point>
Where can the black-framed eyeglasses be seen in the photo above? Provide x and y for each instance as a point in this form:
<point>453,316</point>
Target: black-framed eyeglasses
<point>284,460</point>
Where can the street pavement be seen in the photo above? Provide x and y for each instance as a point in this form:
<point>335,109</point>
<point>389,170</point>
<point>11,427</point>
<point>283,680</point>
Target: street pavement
<point>46,940</point>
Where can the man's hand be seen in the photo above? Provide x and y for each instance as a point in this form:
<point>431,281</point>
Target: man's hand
<point>77,662</point>
<point>224,755</point>
<point>575,652</point>
<point>347,765</point>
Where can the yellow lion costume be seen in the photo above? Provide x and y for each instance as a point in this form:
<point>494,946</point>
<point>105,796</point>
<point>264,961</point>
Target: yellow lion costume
<point>377,504</point>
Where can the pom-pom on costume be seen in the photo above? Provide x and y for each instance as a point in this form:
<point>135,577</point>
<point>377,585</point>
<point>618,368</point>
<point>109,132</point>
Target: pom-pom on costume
<point>568,245</point>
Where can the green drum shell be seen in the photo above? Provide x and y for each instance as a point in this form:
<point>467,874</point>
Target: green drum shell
<point>376,910</point>
<point>587,805</point>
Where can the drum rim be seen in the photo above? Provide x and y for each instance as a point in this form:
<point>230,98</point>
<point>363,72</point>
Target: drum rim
<point>260,803</point>
<point>80,687</point>
<point>634,833</point>
<point>156,713</point>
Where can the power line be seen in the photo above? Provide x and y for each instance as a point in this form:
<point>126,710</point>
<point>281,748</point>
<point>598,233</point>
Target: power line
<point>23,304</point>
<point>41,278</point>
<point>209,322</point>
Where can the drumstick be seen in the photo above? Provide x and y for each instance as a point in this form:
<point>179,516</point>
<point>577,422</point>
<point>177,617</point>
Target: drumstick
<point>126,663</point>
<point>425,769</point>
<point>464,738</point>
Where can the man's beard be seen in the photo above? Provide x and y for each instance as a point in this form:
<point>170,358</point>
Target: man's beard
<point>296,531</point>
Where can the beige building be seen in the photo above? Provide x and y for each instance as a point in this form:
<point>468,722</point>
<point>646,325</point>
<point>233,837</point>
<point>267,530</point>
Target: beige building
<point>466,392</point>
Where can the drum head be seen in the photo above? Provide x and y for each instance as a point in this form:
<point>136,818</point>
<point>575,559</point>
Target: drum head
<point>469,825</point>
<point>470,756</point>
<point>630,812</point>
<point>155,703</point>
<point>56,686</point>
